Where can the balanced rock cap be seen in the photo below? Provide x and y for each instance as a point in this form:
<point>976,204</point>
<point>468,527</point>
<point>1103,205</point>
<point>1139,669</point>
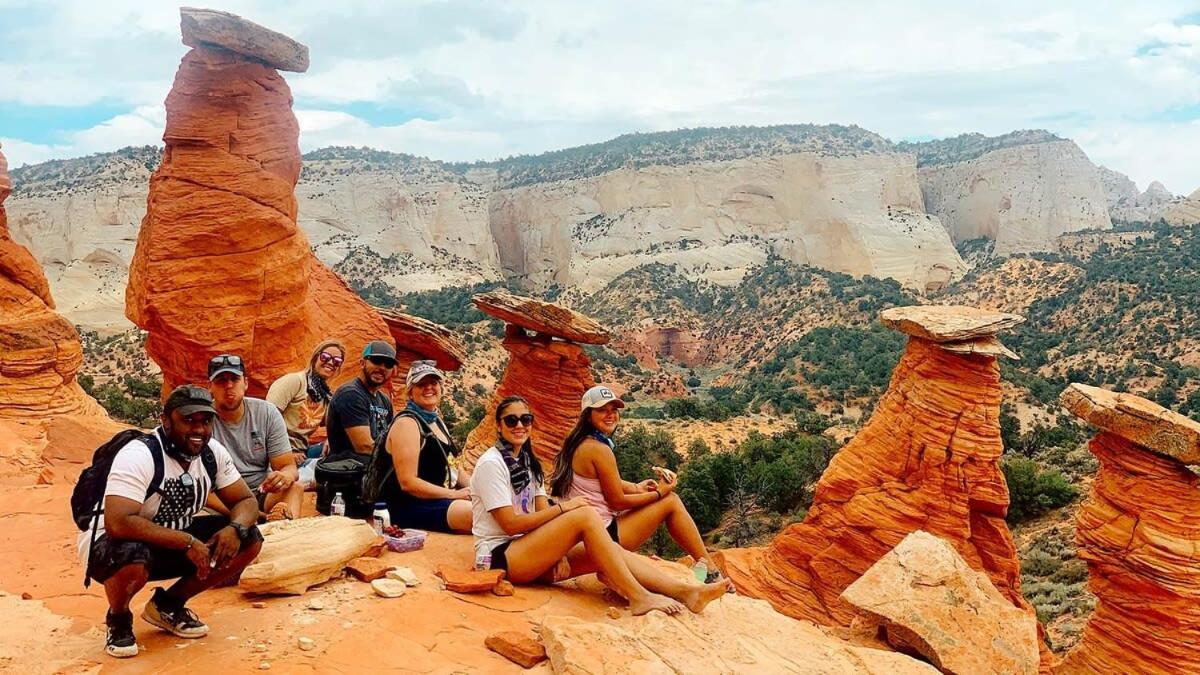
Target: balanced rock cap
<point>1137,420</point>
<point>542,317</point>
<point>948,323</point>
<point>209,27</point>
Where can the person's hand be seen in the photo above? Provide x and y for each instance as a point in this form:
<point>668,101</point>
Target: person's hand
<point>197,554</point>
<point>573,503</point>
<point>224,545</point>
<point>648,485</point>
<point>276,481</point>
<point>324,449</point>
<point>668,480</point>
<point>560,571</point>
<point>461,493</point>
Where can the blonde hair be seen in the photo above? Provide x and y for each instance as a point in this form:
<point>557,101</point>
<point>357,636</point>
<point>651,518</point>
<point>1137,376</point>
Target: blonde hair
<point>325,344</point>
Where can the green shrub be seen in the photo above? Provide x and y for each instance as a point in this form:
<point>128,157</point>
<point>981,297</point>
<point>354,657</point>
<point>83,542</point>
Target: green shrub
<point>1033,491</point>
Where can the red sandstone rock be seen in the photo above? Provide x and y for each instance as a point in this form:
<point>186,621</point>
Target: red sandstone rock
<point>541,317</point>
<point>552,375</point>
<point>417,338</point>
<point>928,459</point>
<point>469,581</point>
<point>221,265</point>
<point>1139,532</point>
<point>39,349</point>
<point>516,647</point>
<point>504,589</point>
<point>1137,420</point>
<point>367,569</point>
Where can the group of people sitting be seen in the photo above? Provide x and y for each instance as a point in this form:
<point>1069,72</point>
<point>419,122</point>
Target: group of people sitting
<point>167,515</point>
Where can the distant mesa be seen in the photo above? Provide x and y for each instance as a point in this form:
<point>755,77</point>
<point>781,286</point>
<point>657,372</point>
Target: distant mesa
<point>213,28</point>
<point>547,367</point>
<point>1139,533</point>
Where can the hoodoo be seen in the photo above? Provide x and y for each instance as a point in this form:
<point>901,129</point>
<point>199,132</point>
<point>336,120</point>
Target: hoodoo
<point>546,365</point>
<point>928,459</point>
<point>39,349</point>
<point>1139,532</point>
<point>221,265</point>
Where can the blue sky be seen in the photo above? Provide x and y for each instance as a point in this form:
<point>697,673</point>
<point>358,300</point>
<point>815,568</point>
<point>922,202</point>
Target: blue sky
<point>460,80</point>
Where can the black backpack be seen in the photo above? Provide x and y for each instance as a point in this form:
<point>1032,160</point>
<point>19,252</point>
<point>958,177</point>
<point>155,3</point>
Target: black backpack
<point>382,467</point>
<point>87,498</point>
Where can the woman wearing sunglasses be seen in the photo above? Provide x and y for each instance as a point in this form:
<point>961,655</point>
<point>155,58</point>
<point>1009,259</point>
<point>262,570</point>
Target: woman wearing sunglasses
<point>516,529</point>
<point>303,396</point>
<point>587,468</point>
<point>415,471</point>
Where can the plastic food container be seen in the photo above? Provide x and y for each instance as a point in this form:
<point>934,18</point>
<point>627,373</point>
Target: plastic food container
<point>413,540</point>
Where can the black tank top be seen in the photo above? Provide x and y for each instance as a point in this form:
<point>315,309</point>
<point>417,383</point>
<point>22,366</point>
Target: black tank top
<point>433,462</point>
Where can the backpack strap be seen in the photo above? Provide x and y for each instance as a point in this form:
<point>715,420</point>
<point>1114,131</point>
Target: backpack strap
<point>156,451</point>
<point>209,460</point>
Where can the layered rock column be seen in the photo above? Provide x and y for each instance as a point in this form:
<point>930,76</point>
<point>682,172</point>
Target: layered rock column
<point>39,349</point>
<point>928,459</point>
<point>221,265</point>
<point>1139,532</point>
<point>546,366</point>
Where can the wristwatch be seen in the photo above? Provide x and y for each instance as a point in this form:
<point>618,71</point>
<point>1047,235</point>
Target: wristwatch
<point>242,531</point>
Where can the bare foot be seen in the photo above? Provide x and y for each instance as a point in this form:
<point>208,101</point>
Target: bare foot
<point>653,602</point>
<point>697,597</point>
<point>279,512</point>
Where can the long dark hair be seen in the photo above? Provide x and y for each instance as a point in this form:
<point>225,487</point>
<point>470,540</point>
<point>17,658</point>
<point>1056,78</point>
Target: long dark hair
<point>564,472</point>
<point>535,465</point>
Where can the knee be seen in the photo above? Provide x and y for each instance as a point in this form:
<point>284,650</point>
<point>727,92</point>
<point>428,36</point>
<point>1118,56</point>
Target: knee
<point>131,577</point>
<point>587,517</point>
<point>675,503</point>
<point>248,553</point>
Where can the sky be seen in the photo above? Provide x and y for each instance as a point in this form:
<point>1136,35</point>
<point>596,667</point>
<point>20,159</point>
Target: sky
<point>459,80</point>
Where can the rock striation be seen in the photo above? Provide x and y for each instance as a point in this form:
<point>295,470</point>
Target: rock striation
<point>547,366</point>
<point>929,601</point>
<point>418,338</point>
<point>928,459</point>
<point>1021,197</point>
<point>39,349</point>
<point>299,554</point>
<point>220,264</point>
<point>1139,533</point>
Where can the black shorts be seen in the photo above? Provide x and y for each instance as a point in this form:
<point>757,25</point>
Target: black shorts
<point>500,556</point>
<point>109,555</point>
<point>612,531</point>
<point>422,514</point>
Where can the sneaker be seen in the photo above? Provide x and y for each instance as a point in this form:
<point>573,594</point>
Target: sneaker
<point>166,613</point>
<point>120,642</point>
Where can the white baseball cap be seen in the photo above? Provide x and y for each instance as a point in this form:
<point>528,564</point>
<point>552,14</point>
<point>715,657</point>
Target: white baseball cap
<point>598,397</point>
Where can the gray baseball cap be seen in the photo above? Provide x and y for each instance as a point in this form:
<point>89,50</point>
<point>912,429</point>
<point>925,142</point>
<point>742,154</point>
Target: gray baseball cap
<point>189,399</point>
<point>598,397</point>
<point>419,370</point>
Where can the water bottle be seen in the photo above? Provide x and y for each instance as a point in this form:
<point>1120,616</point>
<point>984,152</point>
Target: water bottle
<point>700,570</point>
<point>338,507</point>
<point>380,518</point>
<point>483,562</point>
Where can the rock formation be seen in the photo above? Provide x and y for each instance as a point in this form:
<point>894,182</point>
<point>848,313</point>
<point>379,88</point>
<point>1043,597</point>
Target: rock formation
<point>39,349</point>
<point>1139,533</point>
<point>299,554</point>
<point>1185,211</point>
<point>416,339</point>
<point>928,459</point>
<point>1021,197</point>
<point>860,214</point>
<point>221,265</point>
<point>546,365</point>
<point>930,602</point>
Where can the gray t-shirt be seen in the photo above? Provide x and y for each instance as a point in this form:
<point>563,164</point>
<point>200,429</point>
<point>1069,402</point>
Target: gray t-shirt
<point>491,488</point>
<point>252,442</point>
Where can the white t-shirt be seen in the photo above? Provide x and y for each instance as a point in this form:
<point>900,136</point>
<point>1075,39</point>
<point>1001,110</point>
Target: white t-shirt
<point>491,488</point>
<point>176,503</point>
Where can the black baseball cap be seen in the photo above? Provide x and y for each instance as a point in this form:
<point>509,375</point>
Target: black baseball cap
<point>189,399</point>
<point>226,363</point>
<point>379,348</point>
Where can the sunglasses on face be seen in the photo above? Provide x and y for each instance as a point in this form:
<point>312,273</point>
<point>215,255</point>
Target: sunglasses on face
<point>336,361</point>
<point>225,360</point>
<point>382,361</point>
<point>511,421</point>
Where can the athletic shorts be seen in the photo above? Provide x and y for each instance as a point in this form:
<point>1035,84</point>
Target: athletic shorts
<point>422,514</point>
<point>612,531</point>
<point>500,556</point>
<point>109,555</point>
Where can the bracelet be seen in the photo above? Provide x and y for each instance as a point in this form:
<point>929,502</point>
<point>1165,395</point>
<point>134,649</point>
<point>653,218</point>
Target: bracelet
<point>191,540</point>
<point>657,493</point>
<point>561,510</point>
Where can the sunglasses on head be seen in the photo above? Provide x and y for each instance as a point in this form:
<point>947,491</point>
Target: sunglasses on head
<point>511,421</point>
<point>382,361</point>
<point>330,358</point>
<point>225,360</point>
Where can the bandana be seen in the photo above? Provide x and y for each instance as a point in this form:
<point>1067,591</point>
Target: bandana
<point>519,473</point>
<point>598,435</point>
<point>318,389</point>
<point>427,417</point>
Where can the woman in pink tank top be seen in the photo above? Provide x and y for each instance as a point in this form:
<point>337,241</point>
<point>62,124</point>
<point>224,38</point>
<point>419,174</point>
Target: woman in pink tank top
<point>587,467</point>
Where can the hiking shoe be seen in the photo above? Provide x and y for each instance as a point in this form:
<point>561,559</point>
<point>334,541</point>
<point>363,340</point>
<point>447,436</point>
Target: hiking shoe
<point>170,615</point>
<point>120,642</point>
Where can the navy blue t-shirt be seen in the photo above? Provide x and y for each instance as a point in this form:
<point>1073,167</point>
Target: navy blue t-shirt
<point>354,406</point>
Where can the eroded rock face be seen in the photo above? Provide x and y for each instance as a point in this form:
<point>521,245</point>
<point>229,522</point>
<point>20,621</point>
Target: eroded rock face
<point>928,459</point>
<point>1139,532</point>
<point>39,349</point>
<point>929,601</point>
<point>221,265</point>
<point>299,554</point>
<point>1020,197</point>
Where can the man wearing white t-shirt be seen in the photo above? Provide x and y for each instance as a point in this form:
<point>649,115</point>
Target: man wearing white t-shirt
<point>163,536</point>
